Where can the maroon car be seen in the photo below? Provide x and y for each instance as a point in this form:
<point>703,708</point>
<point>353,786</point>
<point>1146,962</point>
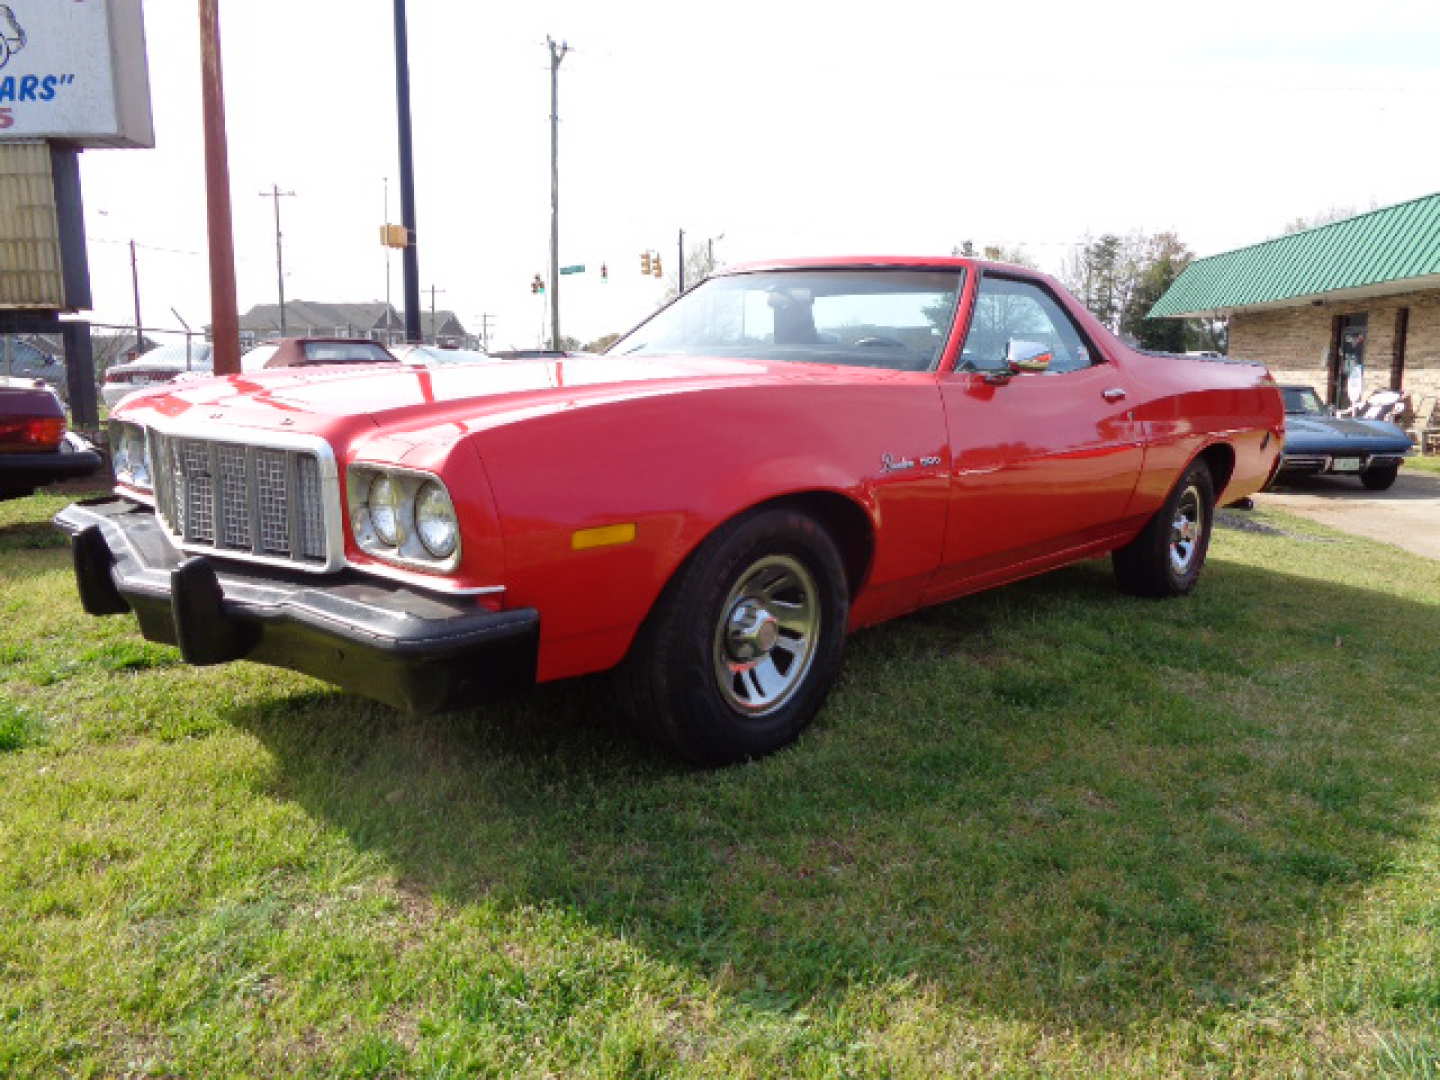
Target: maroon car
<point>313,351</point>
<point>35,448</point>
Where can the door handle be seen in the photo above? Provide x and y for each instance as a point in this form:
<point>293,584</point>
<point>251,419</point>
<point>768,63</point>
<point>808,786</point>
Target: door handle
<point>1115,393</point>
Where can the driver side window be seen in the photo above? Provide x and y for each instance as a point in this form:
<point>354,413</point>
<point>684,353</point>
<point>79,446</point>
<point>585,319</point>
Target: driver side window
<point>1007,310</point>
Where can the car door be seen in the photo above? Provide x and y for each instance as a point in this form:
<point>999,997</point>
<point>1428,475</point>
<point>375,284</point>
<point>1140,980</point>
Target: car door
<point>1043,463</point>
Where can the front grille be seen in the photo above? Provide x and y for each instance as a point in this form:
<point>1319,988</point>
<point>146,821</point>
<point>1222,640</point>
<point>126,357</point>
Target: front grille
<point>248,500</point>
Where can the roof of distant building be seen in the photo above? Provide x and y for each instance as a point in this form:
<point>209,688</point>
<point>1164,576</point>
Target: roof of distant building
<point>1393,249</point>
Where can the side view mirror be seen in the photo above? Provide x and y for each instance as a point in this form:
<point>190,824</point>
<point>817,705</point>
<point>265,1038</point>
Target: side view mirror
<point>1027,357</point>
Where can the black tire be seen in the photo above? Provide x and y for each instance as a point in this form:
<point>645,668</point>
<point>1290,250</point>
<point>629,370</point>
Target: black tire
<point>1168,555</point>
<point>1381,478</point>
<point>682,679</point>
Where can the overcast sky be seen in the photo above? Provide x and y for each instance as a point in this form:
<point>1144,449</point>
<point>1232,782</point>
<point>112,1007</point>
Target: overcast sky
<point>787,128</point>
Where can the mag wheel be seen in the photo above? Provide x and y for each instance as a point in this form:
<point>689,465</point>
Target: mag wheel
<point>1168,555</point>
<point>744,643</point>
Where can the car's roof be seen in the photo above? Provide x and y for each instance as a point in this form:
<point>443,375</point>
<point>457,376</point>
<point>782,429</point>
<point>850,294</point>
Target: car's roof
<point>862,262</point>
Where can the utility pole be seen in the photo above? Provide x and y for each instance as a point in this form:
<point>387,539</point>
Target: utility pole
<point>556,55</point>
<point>224,318</point>
<point>681,263</point>
<point>434,330</point>
<point>276,194</point>
<point>389,339</point>
<point>135,285</point>
<point>485,321</point>
<point>411,260</point>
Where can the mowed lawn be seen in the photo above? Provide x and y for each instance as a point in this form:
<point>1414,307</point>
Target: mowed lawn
<point>1050,830</point>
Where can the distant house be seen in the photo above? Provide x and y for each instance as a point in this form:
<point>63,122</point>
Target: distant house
<point>1349,308</point>
<point>372,322</point>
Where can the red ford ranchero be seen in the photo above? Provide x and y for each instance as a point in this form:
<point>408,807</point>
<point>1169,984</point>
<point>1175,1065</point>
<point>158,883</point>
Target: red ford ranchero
<point>788,452</point>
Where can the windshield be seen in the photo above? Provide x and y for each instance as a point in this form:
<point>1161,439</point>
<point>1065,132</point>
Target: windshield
<point>345,352</point>
<point>1304,400</point>
<point>896,319</point>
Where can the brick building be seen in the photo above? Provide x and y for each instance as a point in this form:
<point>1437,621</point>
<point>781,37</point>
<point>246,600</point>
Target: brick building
<point>1349,308</point>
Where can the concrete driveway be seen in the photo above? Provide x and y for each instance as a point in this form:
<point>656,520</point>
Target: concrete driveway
<point>1408,515</point>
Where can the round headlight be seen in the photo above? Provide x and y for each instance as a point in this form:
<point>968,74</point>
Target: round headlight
<point>384,501</point>
<point>435,520</point>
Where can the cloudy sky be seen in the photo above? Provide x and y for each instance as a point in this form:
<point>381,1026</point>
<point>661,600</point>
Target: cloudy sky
<point>787,128</point>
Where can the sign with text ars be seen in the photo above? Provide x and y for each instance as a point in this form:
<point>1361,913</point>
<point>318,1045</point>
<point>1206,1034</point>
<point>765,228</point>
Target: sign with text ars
<point>75,70</point>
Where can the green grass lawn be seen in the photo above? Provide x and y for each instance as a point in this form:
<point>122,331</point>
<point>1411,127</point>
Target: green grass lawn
<point>1429,463</point>
<point>1050,831</point>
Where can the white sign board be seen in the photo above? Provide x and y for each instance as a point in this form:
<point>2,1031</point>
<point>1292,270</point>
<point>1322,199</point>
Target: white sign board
<point>75,70</point>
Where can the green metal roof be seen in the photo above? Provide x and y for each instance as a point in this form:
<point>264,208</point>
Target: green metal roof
<point>1394,243</point>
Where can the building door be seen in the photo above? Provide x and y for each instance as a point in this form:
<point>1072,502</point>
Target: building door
<point>1347,362</point>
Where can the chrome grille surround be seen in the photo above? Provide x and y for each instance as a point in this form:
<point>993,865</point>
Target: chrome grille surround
<point>268,497</point>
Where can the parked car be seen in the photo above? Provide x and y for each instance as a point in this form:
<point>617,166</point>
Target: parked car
<point>1317,441</point>
<point>23,360</point>
<point>35,447</point>
<point>787,452</point>
<point>434,354</point>
<point>313,352</point>
<point>157,367</point>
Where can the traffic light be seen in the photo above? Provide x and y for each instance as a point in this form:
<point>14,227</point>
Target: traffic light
<point>537,285</point>
<point>657,264</point>
<point>645,263</point>
<point>604,274</point>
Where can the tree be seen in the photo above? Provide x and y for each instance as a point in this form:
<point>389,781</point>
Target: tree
<point>1324,217</point>
<point>1158,262</point>
<point>1015,255</point>
<point>1119,279</point>
<point>602,343</point>
<point>1101,273</point>
<point>700,263</point>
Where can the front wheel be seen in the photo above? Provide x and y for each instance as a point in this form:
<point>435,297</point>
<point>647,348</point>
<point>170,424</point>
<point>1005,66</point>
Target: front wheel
<point>1380,478</point>
<point>744,644</point>
<point>1168,555</point>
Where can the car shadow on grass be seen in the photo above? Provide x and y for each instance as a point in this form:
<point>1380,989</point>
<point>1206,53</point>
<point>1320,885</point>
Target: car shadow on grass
<point>1048,801</point>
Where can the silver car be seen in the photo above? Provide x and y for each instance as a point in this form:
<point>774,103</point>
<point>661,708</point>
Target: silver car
<point>154,368</point>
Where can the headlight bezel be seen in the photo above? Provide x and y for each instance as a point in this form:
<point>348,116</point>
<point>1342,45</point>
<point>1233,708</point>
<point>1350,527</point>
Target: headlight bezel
<point>410,550</point>
<point>130,457</point>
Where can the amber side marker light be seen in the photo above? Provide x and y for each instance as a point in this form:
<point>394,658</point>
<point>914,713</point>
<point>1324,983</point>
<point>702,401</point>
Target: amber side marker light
<point>603,536</point>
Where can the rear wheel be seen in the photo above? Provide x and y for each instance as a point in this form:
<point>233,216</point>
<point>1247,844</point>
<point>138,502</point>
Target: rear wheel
<point>744,644</point>
<point>1168,555</point>
<point>1381,478</point>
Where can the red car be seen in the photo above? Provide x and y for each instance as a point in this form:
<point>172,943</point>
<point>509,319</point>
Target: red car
<point>787,452</point>
<point>35,447</point>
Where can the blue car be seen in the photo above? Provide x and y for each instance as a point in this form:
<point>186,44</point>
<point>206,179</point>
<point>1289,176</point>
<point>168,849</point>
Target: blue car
<point>1318,441</point>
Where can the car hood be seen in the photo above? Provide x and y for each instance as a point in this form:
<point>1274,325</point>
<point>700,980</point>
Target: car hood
<point>1339,434</point>
<point>466,396</point>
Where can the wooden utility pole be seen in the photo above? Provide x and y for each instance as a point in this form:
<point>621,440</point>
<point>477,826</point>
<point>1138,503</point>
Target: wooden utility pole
<point>224,318</point>
<point>434,329</point>
<point>135,287</point>
<point>276,194</point>
<point>411,261</point>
